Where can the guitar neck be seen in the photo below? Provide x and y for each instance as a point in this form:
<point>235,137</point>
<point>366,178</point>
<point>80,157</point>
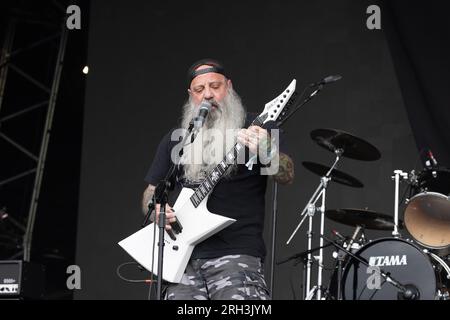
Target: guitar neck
<point>219,171</point>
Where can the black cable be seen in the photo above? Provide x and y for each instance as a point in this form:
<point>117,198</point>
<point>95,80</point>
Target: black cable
<point>130,280</point>
<point>292,284</point>
<point>375,291</point>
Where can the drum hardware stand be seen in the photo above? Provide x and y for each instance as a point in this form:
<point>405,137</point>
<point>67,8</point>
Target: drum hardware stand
<point>341,257</point>
<point>406,292</point>
<point>305,258</point>
<point>441,262</point>
<point>362,239</point>
<point>316,289</point>
<point>311,293</point>
<point>397,175</point>
<point>311,209</point>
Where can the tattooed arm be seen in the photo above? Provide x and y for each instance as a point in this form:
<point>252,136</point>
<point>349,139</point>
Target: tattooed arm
<point>170,214</point>
<point>148,194</point>
<point>257,140</point>
<point>285,173</point>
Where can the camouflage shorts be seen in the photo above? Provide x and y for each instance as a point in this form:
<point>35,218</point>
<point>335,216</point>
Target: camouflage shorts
<point>232,277</point>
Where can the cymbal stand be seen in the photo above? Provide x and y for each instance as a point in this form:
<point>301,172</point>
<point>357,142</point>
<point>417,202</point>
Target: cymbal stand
<point>308,212</point>
<point>397,175</point>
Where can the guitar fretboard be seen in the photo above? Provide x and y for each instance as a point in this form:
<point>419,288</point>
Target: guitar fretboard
<point>219,171</point>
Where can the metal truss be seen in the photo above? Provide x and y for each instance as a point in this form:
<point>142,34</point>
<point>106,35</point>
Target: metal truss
<point>57,41</point>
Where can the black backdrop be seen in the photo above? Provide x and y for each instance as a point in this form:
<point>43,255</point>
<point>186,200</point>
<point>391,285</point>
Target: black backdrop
<point>138,54</point>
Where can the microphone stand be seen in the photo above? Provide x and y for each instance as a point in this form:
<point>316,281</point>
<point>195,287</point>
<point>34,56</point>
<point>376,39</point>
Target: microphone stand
<point>161,196</point>
<point>319,193</point>
<point>318,88</point>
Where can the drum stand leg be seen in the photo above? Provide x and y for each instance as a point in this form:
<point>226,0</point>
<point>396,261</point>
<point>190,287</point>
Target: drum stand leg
<point>311,209</point>
<point>320,257</point>
<point>309,261</point>
<point>312,293</point>
<point>397,175</point>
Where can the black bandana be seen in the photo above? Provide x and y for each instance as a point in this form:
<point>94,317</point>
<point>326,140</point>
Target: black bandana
<point>215,66</point>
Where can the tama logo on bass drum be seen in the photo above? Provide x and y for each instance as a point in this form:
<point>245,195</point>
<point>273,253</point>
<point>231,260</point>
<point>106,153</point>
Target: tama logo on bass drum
<point>399,260</point>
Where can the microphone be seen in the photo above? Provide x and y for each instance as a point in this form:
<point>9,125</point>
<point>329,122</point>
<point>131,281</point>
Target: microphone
<point>411,293</point>
<point>337,234</point>
<point>203,111</point>
<point>3,214</point>
<point>355,234</point>
<point>326,80</point>
<point>433,160</point>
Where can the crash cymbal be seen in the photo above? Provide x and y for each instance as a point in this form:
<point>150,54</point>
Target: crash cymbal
<point>352,147</point>
<point>360,217</point>
<point>336,175</point>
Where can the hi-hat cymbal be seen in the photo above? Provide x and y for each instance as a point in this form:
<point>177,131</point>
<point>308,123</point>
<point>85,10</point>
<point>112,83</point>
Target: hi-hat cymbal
<point>360,217</point>
<point>336,175</point>
<point>351,146</point>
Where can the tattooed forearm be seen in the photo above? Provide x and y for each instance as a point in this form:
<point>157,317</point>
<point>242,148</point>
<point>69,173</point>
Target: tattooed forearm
<point>285,173</point>
<point>148,194</point>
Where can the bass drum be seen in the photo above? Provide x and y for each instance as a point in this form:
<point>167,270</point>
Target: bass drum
<point>402,260</point>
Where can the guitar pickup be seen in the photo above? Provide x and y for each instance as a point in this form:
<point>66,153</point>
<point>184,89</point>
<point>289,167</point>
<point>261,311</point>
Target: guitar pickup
<point>176,229</point>
<point>171,234</point>
<point>176,226</point>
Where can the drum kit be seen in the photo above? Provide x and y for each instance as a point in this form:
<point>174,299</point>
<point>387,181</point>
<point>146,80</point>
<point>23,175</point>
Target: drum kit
<point>388,268</point>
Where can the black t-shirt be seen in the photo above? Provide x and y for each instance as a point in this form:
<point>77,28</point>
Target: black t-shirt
<point>240,196</point>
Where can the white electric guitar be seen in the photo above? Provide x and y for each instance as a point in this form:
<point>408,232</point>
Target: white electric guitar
<point>197,222</point>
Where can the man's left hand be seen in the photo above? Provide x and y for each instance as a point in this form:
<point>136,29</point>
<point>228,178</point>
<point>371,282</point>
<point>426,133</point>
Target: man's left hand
<point>254,137</point>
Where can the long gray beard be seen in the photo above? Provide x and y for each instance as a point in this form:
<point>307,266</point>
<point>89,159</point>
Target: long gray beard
<point>215,139</point>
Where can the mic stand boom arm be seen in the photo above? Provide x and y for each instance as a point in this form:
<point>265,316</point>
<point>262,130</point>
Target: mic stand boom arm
<point>319,86</point>
<point>301,104</point>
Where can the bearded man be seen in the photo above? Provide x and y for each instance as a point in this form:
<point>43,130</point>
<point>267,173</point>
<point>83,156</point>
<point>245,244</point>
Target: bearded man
<point>229,264</point>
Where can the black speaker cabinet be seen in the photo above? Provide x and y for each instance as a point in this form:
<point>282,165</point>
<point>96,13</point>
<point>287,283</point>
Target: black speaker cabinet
<point>21,280</point>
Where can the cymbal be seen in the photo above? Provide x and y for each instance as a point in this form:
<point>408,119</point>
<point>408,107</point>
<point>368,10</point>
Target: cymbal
<point>352,147</point>
<point>367,219</point>
<point>336,175</point>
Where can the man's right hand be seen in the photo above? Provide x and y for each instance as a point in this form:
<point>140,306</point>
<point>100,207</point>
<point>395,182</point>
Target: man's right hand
<point>170,215</point>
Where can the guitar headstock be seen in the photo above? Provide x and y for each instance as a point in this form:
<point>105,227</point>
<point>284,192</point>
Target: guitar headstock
<point>278,107</point>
